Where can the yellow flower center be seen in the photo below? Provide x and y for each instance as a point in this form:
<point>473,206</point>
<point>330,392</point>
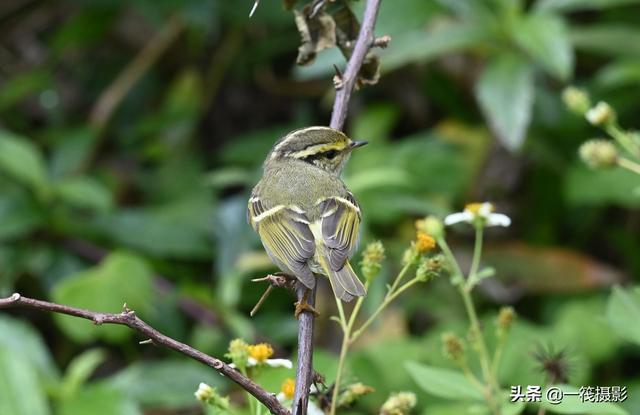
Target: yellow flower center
<point>261,352</point>
<point>287,388</point>
<point>424,242</point>
<point>475,208</point>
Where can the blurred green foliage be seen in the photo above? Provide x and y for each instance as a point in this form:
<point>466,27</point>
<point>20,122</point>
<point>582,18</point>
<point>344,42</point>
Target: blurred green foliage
<point>135,203</point>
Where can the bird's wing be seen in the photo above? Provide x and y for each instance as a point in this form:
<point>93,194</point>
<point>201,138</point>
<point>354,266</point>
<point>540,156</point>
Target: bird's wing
<point>285,234</point>
<point>340,224</point>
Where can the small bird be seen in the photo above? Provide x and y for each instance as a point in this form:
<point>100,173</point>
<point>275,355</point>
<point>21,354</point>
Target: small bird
<point>306,217</point>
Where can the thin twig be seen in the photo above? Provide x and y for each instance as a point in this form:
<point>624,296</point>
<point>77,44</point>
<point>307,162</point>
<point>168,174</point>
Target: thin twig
<point>115,93</point>
<point>340,107</point>
<point>363,44</point>
<point>130,319</point>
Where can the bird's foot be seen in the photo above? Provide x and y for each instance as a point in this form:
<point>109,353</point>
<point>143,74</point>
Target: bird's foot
<point>301,307</point>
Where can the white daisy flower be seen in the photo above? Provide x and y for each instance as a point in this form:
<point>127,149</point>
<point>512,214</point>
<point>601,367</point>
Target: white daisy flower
<point>259,354</point>
<point>478,213</point>
<point>285,396</point>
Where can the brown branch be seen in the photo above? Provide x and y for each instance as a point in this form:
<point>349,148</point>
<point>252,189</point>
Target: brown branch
<point>304,371</point>
<point>130,319</point>
<point>364,42</point>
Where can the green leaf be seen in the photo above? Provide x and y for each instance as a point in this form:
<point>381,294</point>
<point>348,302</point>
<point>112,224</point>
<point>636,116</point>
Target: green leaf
<point>571,5</point>
<point>79,370</point>
<point>572,404</point>
<point>99,400</point>
<point>21,393</point>
<point>22,160</point>
<point>453,37</point>
<point>607,39</point>
<point>545,38</point>
<point>84,192</point>
<point>19,214</point>
<point>375,122</point>
<point>180,229</point>
<point>621,72</point>
<point>623,313</point>
<point>23,85</point>
<point>505,94</point>
<point>21,338</point>
<point>154,383</point>
<point>443,383</point>
<point>601,187</point>
<point>73,149</point>
<point>120,278</point>
<point>575,325</point>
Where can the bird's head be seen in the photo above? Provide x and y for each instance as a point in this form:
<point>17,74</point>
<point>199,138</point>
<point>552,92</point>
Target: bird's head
<point>323,147</point>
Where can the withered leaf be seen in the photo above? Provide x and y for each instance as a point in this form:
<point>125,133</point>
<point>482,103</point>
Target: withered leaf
<point>370,71</point>
<point>316,33</point>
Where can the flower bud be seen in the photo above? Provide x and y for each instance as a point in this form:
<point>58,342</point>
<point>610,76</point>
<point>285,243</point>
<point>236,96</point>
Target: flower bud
<point>204,392</point>
<point>505,319</point>
<point>598,153</point>
<point>410,256</point>
<point>399,404</point>
<point>452,347</point>
<point>352,393</point>
<point>601,115</point>
<point>431,226</point>
<point>424,243</point>
<point>238,353</point>
<point>209,395</point>
<point>431,267</point>
<point>372,258</point>
<point>576,100</point>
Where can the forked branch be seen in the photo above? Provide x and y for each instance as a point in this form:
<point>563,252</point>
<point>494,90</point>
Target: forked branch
<point>130,319</point>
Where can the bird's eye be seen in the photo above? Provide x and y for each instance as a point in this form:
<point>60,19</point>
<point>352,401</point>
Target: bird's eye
<point>331,154</point>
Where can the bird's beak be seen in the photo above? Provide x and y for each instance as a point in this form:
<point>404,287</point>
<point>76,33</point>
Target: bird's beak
<point>356,144</point>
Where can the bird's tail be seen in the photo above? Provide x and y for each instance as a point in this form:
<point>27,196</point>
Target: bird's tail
<point>345,283</point>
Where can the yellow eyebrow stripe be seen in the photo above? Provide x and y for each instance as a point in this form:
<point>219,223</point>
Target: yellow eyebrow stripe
<point>318,148</point>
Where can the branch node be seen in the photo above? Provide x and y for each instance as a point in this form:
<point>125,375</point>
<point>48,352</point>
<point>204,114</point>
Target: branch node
<point>278,280</point>
<point>338,78</point>
<point>148,341</point>
<point>15,297</point>
<point>381,42</point>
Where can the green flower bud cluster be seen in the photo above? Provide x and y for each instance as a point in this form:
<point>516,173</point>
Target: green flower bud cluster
<point>238,353</point>
<point>601,115</point>
<point>599,153</point>
<point>431,226</point>
<point>576,99</point>
<point>452,347</point>
<point>372,258</point>
<point>399,403</point>
<point>432,267</point>
<point>505,319</point>
<point>210,396</point>
<point>352,393</point>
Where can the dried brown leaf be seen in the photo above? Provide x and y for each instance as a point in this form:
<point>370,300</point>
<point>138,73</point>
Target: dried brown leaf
<point>316,34</point>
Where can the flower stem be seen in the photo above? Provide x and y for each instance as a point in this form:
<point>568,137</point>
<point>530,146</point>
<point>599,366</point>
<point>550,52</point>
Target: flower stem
<point>475,262</point>
<point>624,139</point>
<point>349,336</point>
<point>465,291</point>
<point>629,165</point>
